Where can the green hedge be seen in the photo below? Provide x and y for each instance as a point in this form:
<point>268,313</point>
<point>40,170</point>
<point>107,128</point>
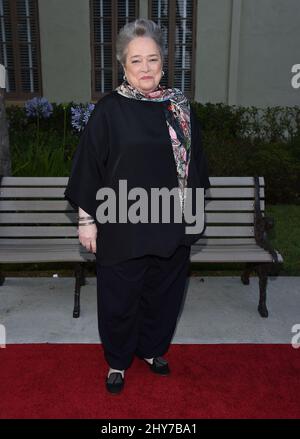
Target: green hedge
<point>237,140</point>
<point>52,154</point>
<point>249,141</point>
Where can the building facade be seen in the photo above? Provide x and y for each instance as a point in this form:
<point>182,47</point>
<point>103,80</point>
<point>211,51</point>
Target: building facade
<point>239,52</point>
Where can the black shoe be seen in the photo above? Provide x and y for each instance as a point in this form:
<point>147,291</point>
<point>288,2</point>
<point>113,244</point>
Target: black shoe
<point>115,382</point>
<point>159,365</point>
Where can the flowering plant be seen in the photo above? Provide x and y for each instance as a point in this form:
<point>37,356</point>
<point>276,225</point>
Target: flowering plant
<point>81,115</point>
<point>38,107</point>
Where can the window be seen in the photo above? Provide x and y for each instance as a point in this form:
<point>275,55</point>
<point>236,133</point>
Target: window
<point>178,21</point>
<point>19,48</point>
<point>107,18</point>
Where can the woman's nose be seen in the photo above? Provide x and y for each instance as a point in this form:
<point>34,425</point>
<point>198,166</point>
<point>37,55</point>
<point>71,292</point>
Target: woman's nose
<point>145,65</point>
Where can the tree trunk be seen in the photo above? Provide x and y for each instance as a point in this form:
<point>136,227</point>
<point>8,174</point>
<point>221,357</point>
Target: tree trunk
<point>5,161</point>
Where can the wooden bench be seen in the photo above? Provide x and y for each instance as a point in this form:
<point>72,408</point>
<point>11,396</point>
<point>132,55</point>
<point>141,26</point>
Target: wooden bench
<point>236,230</point>
<point>37,224</point>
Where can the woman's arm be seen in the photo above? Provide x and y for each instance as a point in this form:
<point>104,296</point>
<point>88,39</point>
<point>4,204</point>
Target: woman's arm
<point>87,234</point>
<point>89,164</point>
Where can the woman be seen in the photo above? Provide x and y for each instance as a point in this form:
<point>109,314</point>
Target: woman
<point>139,137</point>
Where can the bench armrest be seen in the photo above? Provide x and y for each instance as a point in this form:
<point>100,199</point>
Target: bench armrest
<point>262,224</point>
<point>269,222</point>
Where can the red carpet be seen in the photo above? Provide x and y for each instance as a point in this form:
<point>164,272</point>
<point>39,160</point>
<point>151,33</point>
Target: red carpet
<point>207,381</point>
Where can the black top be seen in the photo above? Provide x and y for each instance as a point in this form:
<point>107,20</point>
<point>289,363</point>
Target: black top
<point>129,139</point>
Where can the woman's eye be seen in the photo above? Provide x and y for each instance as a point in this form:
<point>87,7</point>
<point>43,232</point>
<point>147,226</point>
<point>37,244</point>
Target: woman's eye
<point>153,59</point>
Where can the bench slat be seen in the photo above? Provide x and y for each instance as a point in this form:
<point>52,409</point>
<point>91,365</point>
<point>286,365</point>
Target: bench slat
<point>27,255</point>
<point>74,253</point>
<point>59,181</point>
<point>32,192</point>
<point>230,218</point>
<point>35,205</point>
<point>243,192</point>
<point>58,192</point>
<point>71,218</point>
<point>23,254</point>
<point>70,241</point>
<point>228,249</point>
<point>229,205</point>
<point>64,205</point>
<point>43,231</point>
<point>36,242</point>
<point>227,256</point>
<point>36,231</point>
<point>47,218</point>
<point>224,241</point>
<point>34,181</point>
<point>235,181</point>
<point>228,231</point>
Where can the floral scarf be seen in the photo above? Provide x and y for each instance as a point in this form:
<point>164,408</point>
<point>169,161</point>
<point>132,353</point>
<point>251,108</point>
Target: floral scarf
<point>177,115</point>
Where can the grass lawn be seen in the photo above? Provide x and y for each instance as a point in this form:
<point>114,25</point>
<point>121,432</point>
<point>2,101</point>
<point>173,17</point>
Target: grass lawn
<point>285,237</point>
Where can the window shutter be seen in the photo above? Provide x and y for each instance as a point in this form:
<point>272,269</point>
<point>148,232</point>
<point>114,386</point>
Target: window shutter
<point>20,50</point>
<point>107,18</point>
<point>178,21</point>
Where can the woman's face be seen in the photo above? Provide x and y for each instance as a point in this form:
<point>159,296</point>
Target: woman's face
<point>143,64</point>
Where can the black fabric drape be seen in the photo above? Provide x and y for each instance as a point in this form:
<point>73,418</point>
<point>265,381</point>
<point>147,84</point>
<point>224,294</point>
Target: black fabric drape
<point>129,139</point>
<point>88,165</point>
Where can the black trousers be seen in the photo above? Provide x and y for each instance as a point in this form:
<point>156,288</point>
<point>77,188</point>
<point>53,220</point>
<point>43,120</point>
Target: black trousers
<point>138,302</point>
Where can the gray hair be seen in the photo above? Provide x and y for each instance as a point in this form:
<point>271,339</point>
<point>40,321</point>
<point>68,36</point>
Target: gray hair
<point>138,28</point>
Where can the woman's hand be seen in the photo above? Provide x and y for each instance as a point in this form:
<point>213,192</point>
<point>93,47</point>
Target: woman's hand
<point>87,236</point>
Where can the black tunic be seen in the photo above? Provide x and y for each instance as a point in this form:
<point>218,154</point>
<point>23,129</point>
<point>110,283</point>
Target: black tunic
<point>129,139</point>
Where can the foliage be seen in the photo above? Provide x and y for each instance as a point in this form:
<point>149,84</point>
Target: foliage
<point>237,141</point>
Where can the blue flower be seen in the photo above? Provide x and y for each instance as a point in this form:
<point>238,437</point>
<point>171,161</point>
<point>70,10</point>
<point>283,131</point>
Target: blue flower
<point>38,107</point>
<point>81,115</point>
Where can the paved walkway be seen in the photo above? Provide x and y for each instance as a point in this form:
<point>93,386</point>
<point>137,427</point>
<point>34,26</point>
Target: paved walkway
<point>216,310</point>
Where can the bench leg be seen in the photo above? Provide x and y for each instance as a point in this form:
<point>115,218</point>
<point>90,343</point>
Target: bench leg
<point>82,275</point>
<point>246,273</point>
<point>2,279</point>
<point>79,281</point>
<point>262,272</point>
